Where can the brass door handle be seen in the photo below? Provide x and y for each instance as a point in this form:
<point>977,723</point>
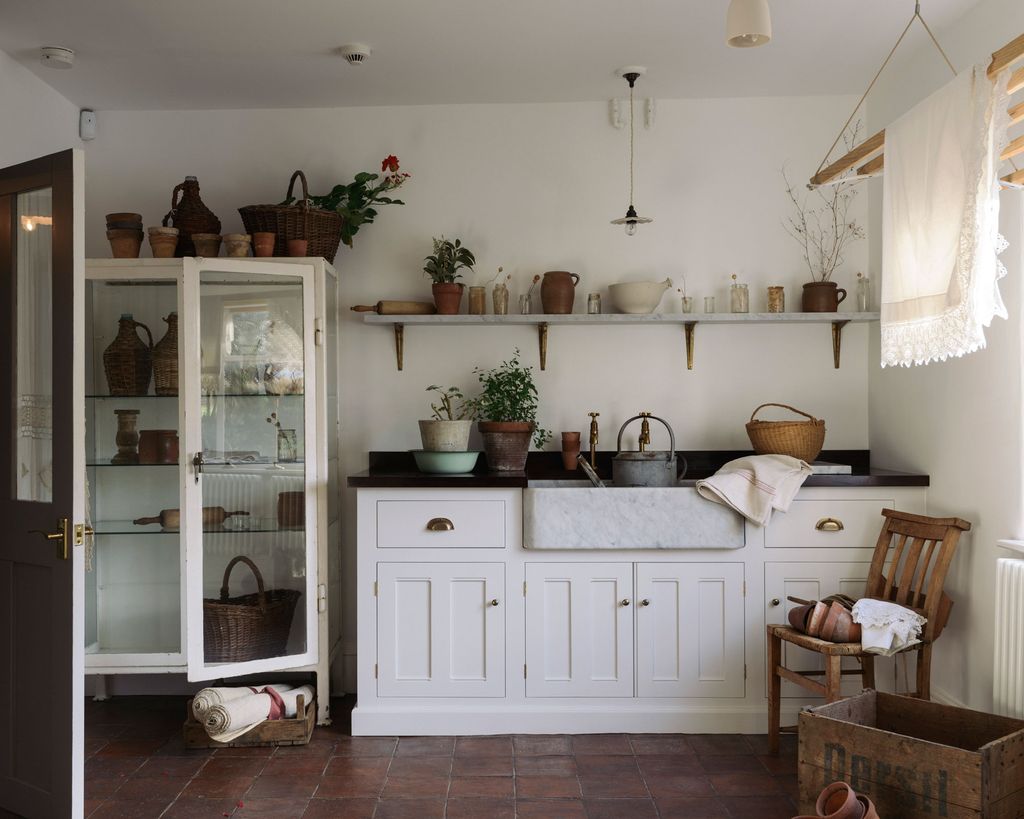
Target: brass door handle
<point>440,525</point>
<point>494,602</point>
<point>829,525</point>
<point>61,535</point>
<point>645,602</point>
<point>624,602</point>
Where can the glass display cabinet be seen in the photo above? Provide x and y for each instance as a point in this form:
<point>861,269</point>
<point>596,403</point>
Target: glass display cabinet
<point>212,467</point>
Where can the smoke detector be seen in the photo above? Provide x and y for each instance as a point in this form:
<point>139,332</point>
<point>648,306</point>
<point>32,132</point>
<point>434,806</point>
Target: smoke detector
<point>356,53</point>
<point>57,57</point>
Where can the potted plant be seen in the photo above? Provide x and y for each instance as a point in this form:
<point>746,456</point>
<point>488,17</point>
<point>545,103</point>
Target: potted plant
<point>443,267</point>
<point>507,409</point>
<point>448,430</point>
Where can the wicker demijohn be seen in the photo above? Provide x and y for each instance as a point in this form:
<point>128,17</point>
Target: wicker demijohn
<point>799,439</point>
<point>128,362</point>
<point>320,228</point>
<point>165,359</point>
<point>189,215</point>
<point>248,627</point>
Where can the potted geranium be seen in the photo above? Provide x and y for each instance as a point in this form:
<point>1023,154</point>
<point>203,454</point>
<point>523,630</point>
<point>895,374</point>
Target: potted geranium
<point>448,430</point>
<point>507,409</point>
<point>443,266</point>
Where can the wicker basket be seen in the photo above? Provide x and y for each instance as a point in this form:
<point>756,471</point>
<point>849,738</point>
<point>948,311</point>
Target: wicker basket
<point>320,228</point>
<point>165,359</point>
<point>799,439</point>
<point>249,627</point>
<point>128,361</point>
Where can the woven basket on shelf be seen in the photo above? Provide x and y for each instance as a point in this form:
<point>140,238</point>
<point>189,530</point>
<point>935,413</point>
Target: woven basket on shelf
<point>248,627</point>
<point>165,359</point>
<point>128,361</point>
<point>799,439</point>
<point>320,228</point>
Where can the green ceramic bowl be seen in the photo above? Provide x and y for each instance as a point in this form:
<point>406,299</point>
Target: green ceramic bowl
<point>445,463</point>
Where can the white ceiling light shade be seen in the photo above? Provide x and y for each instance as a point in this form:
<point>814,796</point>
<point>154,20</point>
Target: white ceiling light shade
<point>56,56</point>
<point>748,23</point>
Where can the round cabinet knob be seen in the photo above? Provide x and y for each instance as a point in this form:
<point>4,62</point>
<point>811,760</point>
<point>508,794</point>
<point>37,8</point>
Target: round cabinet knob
<point>645,602</point>
<point>774,601</point>
<point>494,602</point>
<point>623,602</point>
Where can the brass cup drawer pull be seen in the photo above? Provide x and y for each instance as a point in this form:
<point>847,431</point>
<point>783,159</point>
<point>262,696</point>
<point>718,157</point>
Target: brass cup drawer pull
<point>440,525</point>
<point>829,525</point>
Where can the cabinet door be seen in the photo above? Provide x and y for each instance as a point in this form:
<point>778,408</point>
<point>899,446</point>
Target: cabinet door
<point>251,454</point>
<point>689,630</point>
<point>809,581</point>
<point>440,629</point>
<point>579,629</point>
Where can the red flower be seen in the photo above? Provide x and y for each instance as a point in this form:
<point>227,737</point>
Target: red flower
<point>390,163</point>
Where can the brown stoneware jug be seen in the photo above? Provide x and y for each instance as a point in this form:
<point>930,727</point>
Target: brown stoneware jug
<point>558,291</point>
<point>822,297</point>
<point>189,215</point>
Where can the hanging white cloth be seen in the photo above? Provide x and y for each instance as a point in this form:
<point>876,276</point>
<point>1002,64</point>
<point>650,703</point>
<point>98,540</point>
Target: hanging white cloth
<point>940,222</point>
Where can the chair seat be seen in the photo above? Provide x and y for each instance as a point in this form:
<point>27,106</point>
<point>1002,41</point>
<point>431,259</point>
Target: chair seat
<point>798,638</point>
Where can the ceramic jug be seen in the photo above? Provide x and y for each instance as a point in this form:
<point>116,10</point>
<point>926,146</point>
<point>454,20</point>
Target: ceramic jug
<point>558,291</point>
<point>190,215</point>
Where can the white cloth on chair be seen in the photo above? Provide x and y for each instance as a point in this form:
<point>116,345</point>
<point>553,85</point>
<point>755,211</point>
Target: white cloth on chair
<point>756,484</point>
<point>886,628</point>
<point>940,222</point>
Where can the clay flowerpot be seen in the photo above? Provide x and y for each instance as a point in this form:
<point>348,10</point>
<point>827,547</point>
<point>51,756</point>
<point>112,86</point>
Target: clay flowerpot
<point>448,298</point>
<point>125,244</point>
<point>445,436</point>
<point>158,446</point>
<point>570,449</point>
<point>263,244</point>
<point>822,297</point>
<point>558,291</point>
<point>163,241</point>
<point>506,444</point>
<point>297,247</point>
<point>123,217</point>
<point>237,244</point>
<point>207,244</point>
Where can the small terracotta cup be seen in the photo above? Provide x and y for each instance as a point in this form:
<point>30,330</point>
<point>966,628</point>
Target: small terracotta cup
<point>125,244</point>
<point>207,244</point>
<point>237,244</point>
<point>263,244</point>
<point>163,245</point>
<point>570,449</point>
<point>297,247</point>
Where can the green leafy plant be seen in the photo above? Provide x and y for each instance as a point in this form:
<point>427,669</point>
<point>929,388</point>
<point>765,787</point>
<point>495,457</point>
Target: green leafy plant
<point>448,258</point>
<point>445,409</point>
<point>508,393</point>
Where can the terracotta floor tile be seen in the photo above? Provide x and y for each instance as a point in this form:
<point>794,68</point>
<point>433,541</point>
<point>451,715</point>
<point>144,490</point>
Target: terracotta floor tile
<point>547,787</point>
<point>759,807</point>
<point>151,787</point>
<point>744,784</point>
<point>759,742</point>
<point>542,744</point>
<point>186,807</point>
<point>620,809</point>
<point>551,765</point>
<point>426,746</point>
<point>130,808</point>
<point>226,787</point>
<point>186,766</point>
<point>707,744</point>
<point>691,807</point>
<point>778,765</point>
<point>613,785</point>
<point>298,786</point>
<point>90,806</point>
<point>480,809</point>
<point>225,766</point>
<point>493,787</point>
<point>659,744</point>
<point>365,746</point>
<point>293,765</point>
<point>102,788</point>
<point>320,748</point>
<point>131,747</point>
<point>790,785</point>
<point>408,787</point>
<point>244,751</point>
<point>482,766</point>
<point>112,767</point>
<point>420,766</point>
<point>272,808</point>
<point>678,765</point>
<point>663,787</point>
<point>348,786</point>
<point>732,763</point>
<point>92,745</point>
<point>602,764</point>
<point>483,746</point>
<point>340,809</point>
<point>410,809</point>
<point>550,809</point>
<point>601,744</point>
<point>359,766</point>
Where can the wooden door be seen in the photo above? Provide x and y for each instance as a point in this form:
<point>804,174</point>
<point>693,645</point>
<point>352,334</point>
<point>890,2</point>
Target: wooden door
<point>579,629</point>
<point>41,652</point>
<point>441,629</point>
<point>689,630</point>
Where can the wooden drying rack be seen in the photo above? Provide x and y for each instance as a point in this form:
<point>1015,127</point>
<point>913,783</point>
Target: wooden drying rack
<point>871,148</point>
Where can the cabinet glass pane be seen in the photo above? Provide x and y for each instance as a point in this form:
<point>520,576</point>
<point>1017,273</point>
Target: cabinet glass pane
<point>253,405</point>
<point>133,568</point>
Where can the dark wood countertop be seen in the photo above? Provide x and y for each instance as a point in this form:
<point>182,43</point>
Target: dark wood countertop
<point>397,470</point>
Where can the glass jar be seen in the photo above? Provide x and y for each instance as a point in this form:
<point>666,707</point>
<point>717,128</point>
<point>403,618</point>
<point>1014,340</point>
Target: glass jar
<point>709,304</point>
<point>863,293</point>
<point>594,304</point>
<point>687,303</point>
<point>477,301</point>
<point>499,299</point>
<point>739,298</point>
<point>776,299</point>
<point>524,304</point>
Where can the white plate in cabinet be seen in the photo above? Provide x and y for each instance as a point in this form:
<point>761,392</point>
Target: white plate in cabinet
<point>689,630</point>
<point>833,524</point>
<point>579,629</point>
<point>440,524</point>
<point>441,629</point>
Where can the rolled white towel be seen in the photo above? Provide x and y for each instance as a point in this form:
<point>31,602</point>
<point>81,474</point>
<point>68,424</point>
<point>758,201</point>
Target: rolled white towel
<point>209,697</point>
<point>230,720</point>
<point>290,700</point>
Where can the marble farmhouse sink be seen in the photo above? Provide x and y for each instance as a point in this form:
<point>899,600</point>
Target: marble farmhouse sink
<point>573,515</point>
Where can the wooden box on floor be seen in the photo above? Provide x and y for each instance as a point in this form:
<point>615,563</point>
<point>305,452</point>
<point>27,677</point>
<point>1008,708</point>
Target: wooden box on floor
<point>913,758</point>
<point>275,732</point>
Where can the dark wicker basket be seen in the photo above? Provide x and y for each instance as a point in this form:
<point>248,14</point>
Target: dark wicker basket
<point>128,361</point>
<point>165,359</point>
<point>320,228</point>
<point>249,627</point>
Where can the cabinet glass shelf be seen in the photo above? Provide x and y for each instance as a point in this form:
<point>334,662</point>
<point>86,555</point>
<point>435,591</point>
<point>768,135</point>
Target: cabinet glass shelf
<point>204,397</point>
<point>252,526</point>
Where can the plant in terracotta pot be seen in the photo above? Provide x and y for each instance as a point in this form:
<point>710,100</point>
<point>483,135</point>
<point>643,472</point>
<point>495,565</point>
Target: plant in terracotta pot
<point>507,408</point>
<point>443,266</point>
<point>448,430</point>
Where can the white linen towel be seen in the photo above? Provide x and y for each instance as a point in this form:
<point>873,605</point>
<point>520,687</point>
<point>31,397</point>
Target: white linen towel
<point>229,720</point>
<point>886,628</point>
<point>756,484</point>
<point>209,697</point>
<point>940,222</point>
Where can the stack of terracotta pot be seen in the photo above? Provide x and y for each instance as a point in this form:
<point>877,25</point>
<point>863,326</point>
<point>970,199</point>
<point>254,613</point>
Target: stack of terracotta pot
<point>124,230</point>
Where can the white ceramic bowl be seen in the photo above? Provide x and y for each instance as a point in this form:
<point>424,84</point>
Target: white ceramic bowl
<point>638,297</point>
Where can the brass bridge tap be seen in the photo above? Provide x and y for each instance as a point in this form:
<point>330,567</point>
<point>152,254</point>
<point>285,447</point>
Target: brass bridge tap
<point>593,438</point>
<point>645,432</point>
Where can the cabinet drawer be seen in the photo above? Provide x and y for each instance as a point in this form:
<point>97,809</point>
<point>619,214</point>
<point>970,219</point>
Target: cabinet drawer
<point>441,524</point>
<point>815,524</point>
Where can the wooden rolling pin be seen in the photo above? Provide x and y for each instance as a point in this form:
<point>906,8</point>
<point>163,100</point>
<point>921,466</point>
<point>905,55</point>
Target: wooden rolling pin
<point>171,518</point>
<point>398,308</point>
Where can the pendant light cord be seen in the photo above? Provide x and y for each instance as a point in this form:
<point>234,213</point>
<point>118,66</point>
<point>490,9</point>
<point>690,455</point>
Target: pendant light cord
<point>631,144</point>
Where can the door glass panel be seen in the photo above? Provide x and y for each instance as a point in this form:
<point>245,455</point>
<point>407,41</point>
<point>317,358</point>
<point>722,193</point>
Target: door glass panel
<point>254,488</point>
<point>33,444</point>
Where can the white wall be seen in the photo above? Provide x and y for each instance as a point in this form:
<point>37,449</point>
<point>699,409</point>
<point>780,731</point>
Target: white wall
<point>37,120</point>
<point>960,421</point>
<point>532,188</point>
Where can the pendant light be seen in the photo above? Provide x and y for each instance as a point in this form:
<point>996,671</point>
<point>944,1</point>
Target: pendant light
<point>631,220</point>
<point>748,23</point>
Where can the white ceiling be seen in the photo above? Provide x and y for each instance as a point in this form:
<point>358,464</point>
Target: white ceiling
<point>186,54</point>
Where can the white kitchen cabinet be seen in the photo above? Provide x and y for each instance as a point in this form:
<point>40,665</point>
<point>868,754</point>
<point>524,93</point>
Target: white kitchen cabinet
<point>441,629</point>
<point>579,629</point>
<point>689,630</point>
<point>251,426</point>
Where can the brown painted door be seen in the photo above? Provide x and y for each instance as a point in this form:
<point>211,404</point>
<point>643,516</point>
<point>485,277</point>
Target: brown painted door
<point>37,268</point>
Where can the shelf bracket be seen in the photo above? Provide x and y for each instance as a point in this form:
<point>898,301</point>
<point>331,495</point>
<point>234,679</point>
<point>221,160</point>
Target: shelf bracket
<point>837,340</point>
<point>688,328</point>
<point>542,340</point>
<point>399,345</point>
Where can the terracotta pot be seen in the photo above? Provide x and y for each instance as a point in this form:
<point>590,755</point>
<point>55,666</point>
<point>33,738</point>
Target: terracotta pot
<point>506,444</point>
<point>237,244</point>
<point>207,244</point>
<point>558,291</point>
<point>163,245</point>
<point>570,449</point>
<point>291,509</point>
<point>125,244</point>
<point>822,297</point>
<point>263,244</point>
<point>168,446</point>
<point>448,298</point>
<point>123,217</point>
<point>297,247</point>
<point>158,446</point>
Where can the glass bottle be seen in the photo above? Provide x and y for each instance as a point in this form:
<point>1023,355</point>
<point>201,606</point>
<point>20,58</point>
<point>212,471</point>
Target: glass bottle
<point>499,299</point>
<point>594,304</point>
<point>776,299</point>
<point>739,297</point>
<point>863,293</point>
<point>477,301</point>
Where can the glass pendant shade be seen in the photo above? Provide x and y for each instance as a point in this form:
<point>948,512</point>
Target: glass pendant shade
<point>748,23</point>
<point>631,220</point>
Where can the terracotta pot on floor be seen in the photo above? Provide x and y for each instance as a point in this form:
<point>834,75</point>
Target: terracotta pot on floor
<point>506,444</point>
<point>448,298</point>
<point>822,297</point>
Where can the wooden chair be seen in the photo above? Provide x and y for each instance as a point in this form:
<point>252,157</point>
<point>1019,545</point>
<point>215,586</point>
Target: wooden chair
<point>923,548</point>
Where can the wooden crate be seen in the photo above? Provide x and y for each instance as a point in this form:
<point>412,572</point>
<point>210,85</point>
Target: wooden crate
<point>914,759</point>
<point>275,732</point>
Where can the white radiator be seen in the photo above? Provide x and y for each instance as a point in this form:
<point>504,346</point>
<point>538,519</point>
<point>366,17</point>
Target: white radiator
<point>1008,683</point>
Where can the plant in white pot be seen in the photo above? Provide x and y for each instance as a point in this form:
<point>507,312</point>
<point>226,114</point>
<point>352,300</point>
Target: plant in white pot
<point>507,409</point>
<point>448,430</point>
<point>443,267</point>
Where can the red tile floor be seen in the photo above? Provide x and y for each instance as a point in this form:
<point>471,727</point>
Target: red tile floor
<point>136,766</point>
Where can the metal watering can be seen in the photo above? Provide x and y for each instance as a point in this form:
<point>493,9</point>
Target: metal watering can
<point>644,467</point>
